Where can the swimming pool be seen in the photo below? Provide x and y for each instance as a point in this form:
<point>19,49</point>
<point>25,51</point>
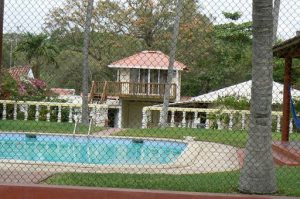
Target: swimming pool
<point>88,150</point>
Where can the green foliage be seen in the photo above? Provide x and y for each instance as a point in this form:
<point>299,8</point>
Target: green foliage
<point>233,102</point>
<point>224,182</point>
<point>38,50</point>
<point>232,15</point>
<point>8,87</point>
<point>45,127</point>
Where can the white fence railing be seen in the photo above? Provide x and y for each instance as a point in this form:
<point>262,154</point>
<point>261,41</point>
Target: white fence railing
<point>99,112</point>
<point>206,118</point>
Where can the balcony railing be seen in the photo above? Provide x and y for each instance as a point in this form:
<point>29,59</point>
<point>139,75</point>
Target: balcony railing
<point>153,91</point>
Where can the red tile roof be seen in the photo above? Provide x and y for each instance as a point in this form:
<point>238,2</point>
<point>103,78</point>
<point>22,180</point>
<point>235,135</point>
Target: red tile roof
<point>147,60</point>
<point>63,91</point>
<point>19,71</point>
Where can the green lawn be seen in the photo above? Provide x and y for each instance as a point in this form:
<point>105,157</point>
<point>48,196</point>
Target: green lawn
<point>234,138</point>
<point>42,126</point>
<point>226,182</point>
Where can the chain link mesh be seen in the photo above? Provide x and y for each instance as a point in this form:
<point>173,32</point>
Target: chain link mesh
<point>157,97</point>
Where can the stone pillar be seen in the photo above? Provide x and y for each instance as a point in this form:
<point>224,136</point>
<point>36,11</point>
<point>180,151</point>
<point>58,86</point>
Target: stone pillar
<point>278,123</point>
<point>59,114</point>
<point>172,122</point>
<point>243,121</point>
<point>15,111</point>
<point>26,112</point>
<point>120,117</point>
<point>37,113</point>
<point>48,113</point>
<point>145,114</point>
<point>230,125</point>
<point>70,114</point>
<point>4,112</point>
<point>206,123</point>
<point>196,120</point>
<point>219,123</point>
<point>291,126</point>
<point>101,116</point>
<point>183,119</point>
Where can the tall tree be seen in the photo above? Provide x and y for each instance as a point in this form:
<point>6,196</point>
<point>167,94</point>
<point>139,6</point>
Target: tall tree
<point>258,172</point>
<point>164,113</point>
<point>1,36</point>
<point>276,17</point>
<point>85,66</point>
<point>38,50</point>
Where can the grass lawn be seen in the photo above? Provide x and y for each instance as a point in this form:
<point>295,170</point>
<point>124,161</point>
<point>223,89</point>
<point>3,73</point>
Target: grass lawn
<point>225,182</point>
<point>234,138</point>
<point>42,126</point>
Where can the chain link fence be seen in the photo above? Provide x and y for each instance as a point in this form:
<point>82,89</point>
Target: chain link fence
<point>152,94</point>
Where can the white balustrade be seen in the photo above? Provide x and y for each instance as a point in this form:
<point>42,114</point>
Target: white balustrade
<point>100,114</point>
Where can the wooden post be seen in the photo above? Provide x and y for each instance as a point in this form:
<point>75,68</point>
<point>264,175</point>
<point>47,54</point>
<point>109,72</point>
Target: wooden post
<point>286,100</point>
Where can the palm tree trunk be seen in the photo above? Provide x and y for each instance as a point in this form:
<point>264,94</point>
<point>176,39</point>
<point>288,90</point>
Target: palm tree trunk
<point>276,17</point>
<point>85,66</point>
<point>164,113</point>
<point>36,70</point>
<point>258,173</point>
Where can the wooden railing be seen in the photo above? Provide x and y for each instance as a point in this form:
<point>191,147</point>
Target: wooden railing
<point>100,90</point>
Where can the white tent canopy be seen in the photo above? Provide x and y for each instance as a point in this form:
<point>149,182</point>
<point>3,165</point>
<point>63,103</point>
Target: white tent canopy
<point>244,90</point>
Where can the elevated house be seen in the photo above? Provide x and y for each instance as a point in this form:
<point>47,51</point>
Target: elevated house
<point>141,81</point>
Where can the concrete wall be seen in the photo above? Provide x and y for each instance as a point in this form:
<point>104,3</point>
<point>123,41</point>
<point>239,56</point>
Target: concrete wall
<point>132,113</point>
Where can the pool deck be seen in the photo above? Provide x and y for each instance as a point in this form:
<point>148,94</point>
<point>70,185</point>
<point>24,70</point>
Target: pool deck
<point>198,157</point>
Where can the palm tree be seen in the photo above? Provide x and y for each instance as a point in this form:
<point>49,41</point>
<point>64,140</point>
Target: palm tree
<point>258,173</point>
<point>37,49</point>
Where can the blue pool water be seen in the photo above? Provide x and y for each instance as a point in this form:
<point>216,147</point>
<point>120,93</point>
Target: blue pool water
<point>104,151</point>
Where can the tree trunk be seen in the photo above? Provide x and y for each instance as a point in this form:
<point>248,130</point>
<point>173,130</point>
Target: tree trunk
<point>164,112</point>
<point>258,172</point>
<point>85,66</point>
<point>36,70</point>
<point>276,17</point>
<point>1,37</point>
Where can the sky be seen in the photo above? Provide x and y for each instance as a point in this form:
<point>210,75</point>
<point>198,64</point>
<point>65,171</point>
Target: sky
<point>29,15</point>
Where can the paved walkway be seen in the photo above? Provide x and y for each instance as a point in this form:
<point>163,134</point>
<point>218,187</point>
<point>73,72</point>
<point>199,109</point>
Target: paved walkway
<point>23,176</point>
<point>108,132</point>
